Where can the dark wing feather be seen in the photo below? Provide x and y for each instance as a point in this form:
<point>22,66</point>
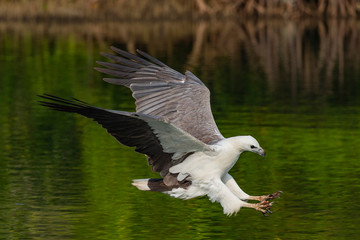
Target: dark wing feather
<point>128,128</point>
<point>160,91</point>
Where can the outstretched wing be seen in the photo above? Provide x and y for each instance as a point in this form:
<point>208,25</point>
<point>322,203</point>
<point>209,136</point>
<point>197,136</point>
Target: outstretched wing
<point>160,91</point>
<point>164,144</point>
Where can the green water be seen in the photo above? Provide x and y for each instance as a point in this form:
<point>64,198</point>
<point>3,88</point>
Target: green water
<point>293,87</point>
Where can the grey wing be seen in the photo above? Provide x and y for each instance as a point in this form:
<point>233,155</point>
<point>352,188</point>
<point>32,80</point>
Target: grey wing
<point>164,144</point>
<point>160,91</point>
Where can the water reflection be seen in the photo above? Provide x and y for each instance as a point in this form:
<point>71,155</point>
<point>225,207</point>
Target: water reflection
<point>305,58</point>
<point>293,85</point>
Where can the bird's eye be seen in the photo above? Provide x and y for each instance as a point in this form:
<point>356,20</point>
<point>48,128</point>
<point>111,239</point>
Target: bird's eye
<point>252,147</point>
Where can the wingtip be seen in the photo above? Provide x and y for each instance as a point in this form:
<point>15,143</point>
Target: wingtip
<point>142,53</point>
<point>117,50</point>
<point>103,54</point>
<point>99,69</point>
<point>46,95</point>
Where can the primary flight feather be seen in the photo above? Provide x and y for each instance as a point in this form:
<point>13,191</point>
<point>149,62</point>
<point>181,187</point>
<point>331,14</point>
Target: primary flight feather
<point>174,127</point>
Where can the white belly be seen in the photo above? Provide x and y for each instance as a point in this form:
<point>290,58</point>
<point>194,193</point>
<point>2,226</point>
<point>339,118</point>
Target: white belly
<point>202,165</point>
<point>203,170</point>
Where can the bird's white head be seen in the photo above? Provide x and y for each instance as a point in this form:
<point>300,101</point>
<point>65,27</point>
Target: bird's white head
<point>248,143</point>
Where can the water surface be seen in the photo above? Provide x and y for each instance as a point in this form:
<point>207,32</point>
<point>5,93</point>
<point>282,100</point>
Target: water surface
<point>292,85</point>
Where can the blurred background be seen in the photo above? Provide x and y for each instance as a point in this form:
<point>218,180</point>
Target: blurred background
<point>286,72</point>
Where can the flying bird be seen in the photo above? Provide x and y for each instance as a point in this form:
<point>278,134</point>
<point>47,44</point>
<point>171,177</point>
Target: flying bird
<point>174,127</point>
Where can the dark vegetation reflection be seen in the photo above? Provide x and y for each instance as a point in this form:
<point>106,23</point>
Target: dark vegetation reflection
<point>293,85</point>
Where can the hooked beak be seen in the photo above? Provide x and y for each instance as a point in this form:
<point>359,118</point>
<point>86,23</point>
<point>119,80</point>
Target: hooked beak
<point>261,152</point>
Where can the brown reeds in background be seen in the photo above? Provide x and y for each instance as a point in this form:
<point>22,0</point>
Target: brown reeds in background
<point>174,9</point>
<point>313,49</point>
<point>301,58</point>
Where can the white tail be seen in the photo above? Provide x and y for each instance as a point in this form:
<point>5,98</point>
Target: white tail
<point>141,184</point>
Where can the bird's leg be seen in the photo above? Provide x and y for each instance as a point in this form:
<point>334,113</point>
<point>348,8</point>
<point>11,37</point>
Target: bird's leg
<point>229,201</point>
<point>264,203</point>
<point>230,182</point>
<point>264,198</point>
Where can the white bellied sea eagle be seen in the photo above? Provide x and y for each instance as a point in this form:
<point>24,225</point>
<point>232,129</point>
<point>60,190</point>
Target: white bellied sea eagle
<point>174,127</point>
